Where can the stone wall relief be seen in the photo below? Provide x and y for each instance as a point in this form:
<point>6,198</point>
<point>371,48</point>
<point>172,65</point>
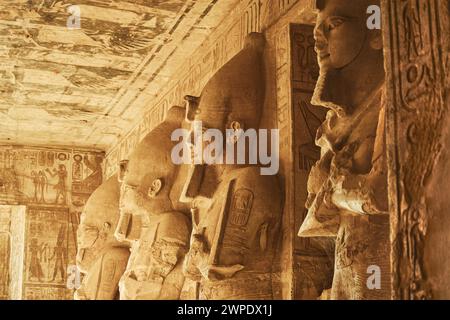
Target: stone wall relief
<point>46,253</point>
<point>416,41</point>
<point>45,181</point>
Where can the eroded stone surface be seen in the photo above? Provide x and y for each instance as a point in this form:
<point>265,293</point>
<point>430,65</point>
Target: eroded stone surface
<point>348,185</point>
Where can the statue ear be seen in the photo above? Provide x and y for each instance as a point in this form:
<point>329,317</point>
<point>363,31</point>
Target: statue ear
<point>106,226</point>
<point>123,167</point>
<point>376,40</point>
<point>236,127</point>
<point>155,188</point>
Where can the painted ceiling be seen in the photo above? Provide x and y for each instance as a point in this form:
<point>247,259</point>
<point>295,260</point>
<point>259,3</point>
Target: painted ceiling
<point>63,84</point>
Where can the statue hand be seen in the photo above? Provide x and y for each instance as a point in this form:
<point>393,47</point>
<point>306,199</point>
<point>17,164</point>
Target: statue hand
<point>119,236</point>
<point>195,266</point>
<point>223,272</point>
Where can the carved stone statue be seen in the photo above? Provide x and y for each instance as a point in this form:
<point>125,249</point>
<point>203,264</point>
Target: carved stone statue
<point>348,185</point>
<point>236,211</point>
<point>100,256</point>
<point>154,268</point>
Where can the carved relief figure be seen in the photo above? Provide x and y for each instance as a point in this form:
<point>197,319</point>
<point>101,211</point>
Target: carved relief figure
<point>348,185</point>
<point>35,178</point>
<point>77,168</point>
<point>235,210</point>
<point>100,256</point>
<point>35,251</point>
<point>154,268</point>
<point>60,255</point>
<point>42,185</point>
<point>9,182</point>
<point>95,178</point>
<point>60,186</point>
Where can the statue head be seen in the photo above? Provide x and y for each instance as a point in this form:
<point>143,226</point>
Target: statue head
<point>231,102</point>
<point>98,220</point>
<point>233,98</point>
<point>350,54</point>
<point>147,177</point>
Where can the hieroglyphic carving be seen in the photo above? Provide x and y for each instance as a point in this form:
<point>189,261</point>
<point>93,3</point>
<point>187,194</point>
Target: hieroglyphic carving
<point>46,253</point>
<point>313,266</point>
<point>416,110</point>
<point>46,176</point>
<point>272,9</point>
<point>54,180</point>
<point>307,118</point>
<point>284,123</point>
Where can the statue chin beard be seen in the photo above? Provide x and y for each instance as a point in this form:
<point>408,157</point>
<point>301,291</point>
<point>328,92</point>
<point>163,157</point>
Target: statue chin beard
<point>322,93</point>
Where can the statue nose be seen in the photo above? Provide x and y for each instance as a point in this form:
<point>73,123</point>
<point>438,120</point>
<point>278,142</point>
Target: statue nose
<point>321,44</point>
<point>320,47</point>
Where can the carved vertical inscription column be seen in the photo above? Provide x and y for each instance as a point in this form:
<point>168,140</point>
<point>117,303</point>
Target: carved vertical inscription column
<point>313,267</point>
<point>417,121</point>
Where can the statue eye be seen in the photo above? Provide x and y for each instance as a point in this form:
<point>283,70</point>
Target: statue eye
<point>335,22</point>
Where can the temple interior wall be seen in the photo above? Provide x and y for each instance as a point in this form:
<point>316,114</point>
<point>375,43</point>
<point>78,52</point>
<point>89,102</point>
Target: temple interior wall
<point>42,194</point>
<point>40,204</point>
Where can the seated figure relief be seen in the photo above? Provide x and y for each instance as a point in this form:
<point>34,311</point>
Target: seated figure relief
<point>348,185</point>
<point>100,256</point>
<point>236,211</point>
<point>154,267</point>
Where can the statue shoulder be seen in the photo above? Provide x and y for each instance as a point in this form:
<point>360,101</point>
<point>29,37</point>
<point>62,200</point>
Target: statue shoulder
<point>251,177</point>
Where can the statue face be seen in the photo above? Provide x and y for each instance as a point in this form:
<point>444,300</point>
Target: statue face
<point>91,239</point>
<point>87,236</point>
<point>340,32</point>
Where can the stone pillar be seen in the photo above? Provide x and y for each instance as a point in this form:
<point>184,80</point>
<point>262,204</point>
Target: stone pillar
<point>5,212</point>
<point>12,234</point>
<point>418,139</point>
